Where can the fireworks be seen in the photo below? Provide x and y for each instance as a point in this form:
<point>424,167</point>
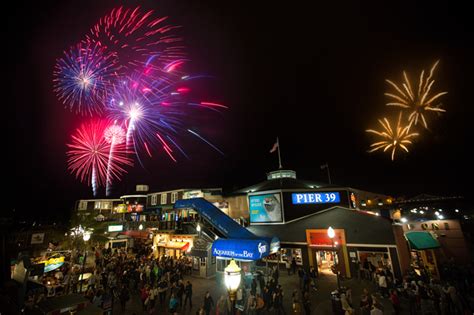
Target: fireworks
<point>138,39</point>
<point>392,138</point>
<point>89,155</point>
<point>418,101</point>
<point>83,76</point>
<point>129,70</point>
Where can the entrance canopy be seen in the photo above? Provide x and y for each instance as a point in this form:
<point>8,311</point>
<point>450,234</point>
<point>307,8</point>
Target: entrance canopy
<point>421,240</point>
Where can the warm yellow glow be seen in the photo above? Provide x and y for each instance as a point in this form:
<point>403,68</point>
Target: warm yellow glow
<point>392,138</point>
<point>331,232</point>
<point>418,102</point>
<point>232,276</point>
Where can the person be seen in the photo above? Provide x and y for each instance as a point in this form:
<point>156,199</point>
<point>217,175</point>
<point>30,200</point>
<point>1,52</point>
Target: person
<point>296,307</point>
<point>222,307</point>
<point>260,304</point>
<point>383,284</point>
<point>348,310</point>
<point>188,291</point>
<point>293,264</point>
<point>162,288</point>
<point>365,302</point>
<point>208,303</point>
<point>124,297</point>
<point>395,301</point>
<point>376,310</point>
<point>313,275</point>
<point>253,286</point>
<point>306,303</point>
<point>251,304</point>
<point>173,304</point>
<point>288,266</point>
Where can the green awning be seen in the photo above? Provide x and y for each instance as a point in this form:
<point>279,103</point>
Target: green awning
<point>421,240</point>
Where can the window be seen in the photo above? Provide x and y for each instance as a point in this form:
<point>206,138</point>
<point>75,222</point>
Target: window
<point>163,199</point>
<point>82,205</point>
<point>174,196</point>
<point>97,205</point>
<point>153,199</point>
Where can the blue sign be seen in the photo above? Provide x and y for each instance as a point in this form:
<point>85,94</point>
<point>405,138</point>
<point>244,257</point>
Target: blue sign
<point>265,208</point>
<point>243,249</point>
<point>315,197</point>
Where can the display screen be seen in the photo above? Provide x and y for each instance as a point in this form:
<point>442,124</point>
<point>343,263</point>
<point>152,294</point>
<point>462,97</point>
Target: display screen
<point>315,197</point>
<point>265,208</point>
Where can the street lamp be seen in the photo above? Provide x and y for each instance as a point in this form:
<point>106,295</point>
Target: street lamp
<point>232,281</point>
<point>85,237</point>
<point>331,234</point>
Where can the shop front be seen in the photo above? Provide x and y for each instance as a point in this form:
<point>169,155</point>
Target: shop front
<point>359,238</point>
<point>172,245</point>
<point>422,245</point>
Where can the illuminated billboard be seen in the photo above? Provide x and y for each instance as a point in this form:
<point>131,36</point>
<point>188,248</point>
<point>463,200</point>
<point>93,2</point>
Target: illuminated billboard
<point>265,208</point>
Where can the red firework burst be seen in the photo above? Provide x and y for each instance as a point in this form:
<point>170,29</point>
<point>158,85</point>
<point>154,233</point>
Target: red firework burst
<point>138,38</point>
<point>89,155</point>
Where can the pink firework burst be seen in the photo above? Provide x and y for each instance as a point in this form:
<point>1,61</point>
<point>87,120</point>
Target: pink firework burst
<point>138,39</point>
<point>89,155</point>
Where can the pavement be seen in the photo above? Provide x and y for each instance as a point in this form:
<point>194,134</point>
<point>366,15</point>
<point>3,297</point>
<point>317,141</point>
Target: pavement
<point>320,298</point>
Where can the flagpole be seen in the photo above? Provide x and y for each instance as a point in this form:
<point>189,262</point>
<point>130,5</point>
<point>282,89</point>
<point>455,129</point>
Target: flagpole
<point>329,175</point>
<point>279,157</point>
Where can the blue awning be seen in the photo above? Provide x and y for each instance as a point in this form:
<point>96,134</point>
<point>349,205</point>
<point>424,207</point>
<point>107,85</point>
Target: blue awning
<point>241,249</point>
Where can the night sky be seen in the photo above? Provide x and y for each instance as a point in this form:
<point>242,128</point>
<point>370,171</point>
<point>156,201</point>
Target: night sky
<point>312,75</point>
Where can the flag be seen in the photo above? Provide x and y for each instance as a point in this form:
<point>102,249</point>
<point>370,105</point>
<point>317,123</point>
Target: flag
<point>324,166</point>
<point>275,146</point>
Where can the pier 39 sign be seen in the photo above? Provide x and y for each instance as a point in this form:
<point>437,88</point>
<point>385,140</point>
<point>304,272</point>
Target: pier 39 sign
<point>315,197</point>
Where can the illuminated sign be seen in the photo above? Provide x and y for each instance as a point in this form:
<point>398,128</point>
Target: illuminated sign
<point>313,197</point>
<point>265,208</point>
<point>240,248</point>
<point>135,208</point>
<point>121,208</point>
<point>115,228</point>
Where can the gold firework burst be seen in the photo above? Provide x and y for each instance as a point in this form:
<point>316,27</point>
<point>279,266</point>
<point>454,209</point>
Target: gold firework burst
<point>418,101</point>
<point>392,138</point>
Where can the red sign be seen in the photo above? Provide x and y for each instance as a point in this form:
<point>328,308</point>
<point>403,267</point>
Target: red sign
<point>321,238</point>
<point>135,208</point>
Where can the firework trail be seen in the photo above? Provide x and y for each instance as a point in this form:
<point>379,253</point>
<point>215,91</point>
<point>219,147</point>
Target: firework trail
<point>392,138</point>
<point>138,37</point>
<point>418,101</point>
<point>83,76</point>
<point>88,155</point>
<point>115,136</point>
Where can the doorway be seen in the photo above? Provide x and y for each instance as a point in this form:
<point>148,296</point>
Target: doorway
<point>326,260</point>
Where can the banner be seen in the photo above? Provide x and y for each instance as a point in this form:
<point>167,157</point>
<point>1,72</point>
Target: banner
<point>244,249</point>
<point>37,238</point>
<point>265,208</point>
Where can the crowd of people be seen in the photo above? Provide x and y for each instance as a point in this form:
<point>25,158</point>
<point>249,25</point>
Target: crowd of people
<point>160,284</point>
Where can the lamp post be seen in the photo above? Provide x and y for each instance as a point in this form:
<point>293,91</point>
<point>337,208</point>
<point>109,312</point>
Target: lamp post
<point>232,281</point>
<point>331,234</point>
<point>85,237</point>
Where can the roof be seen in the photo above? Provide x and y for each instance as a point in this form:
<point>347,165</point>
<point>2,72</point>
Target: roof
<point>360,227</point>
<point>283,183</point>
<point>61,302</point>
